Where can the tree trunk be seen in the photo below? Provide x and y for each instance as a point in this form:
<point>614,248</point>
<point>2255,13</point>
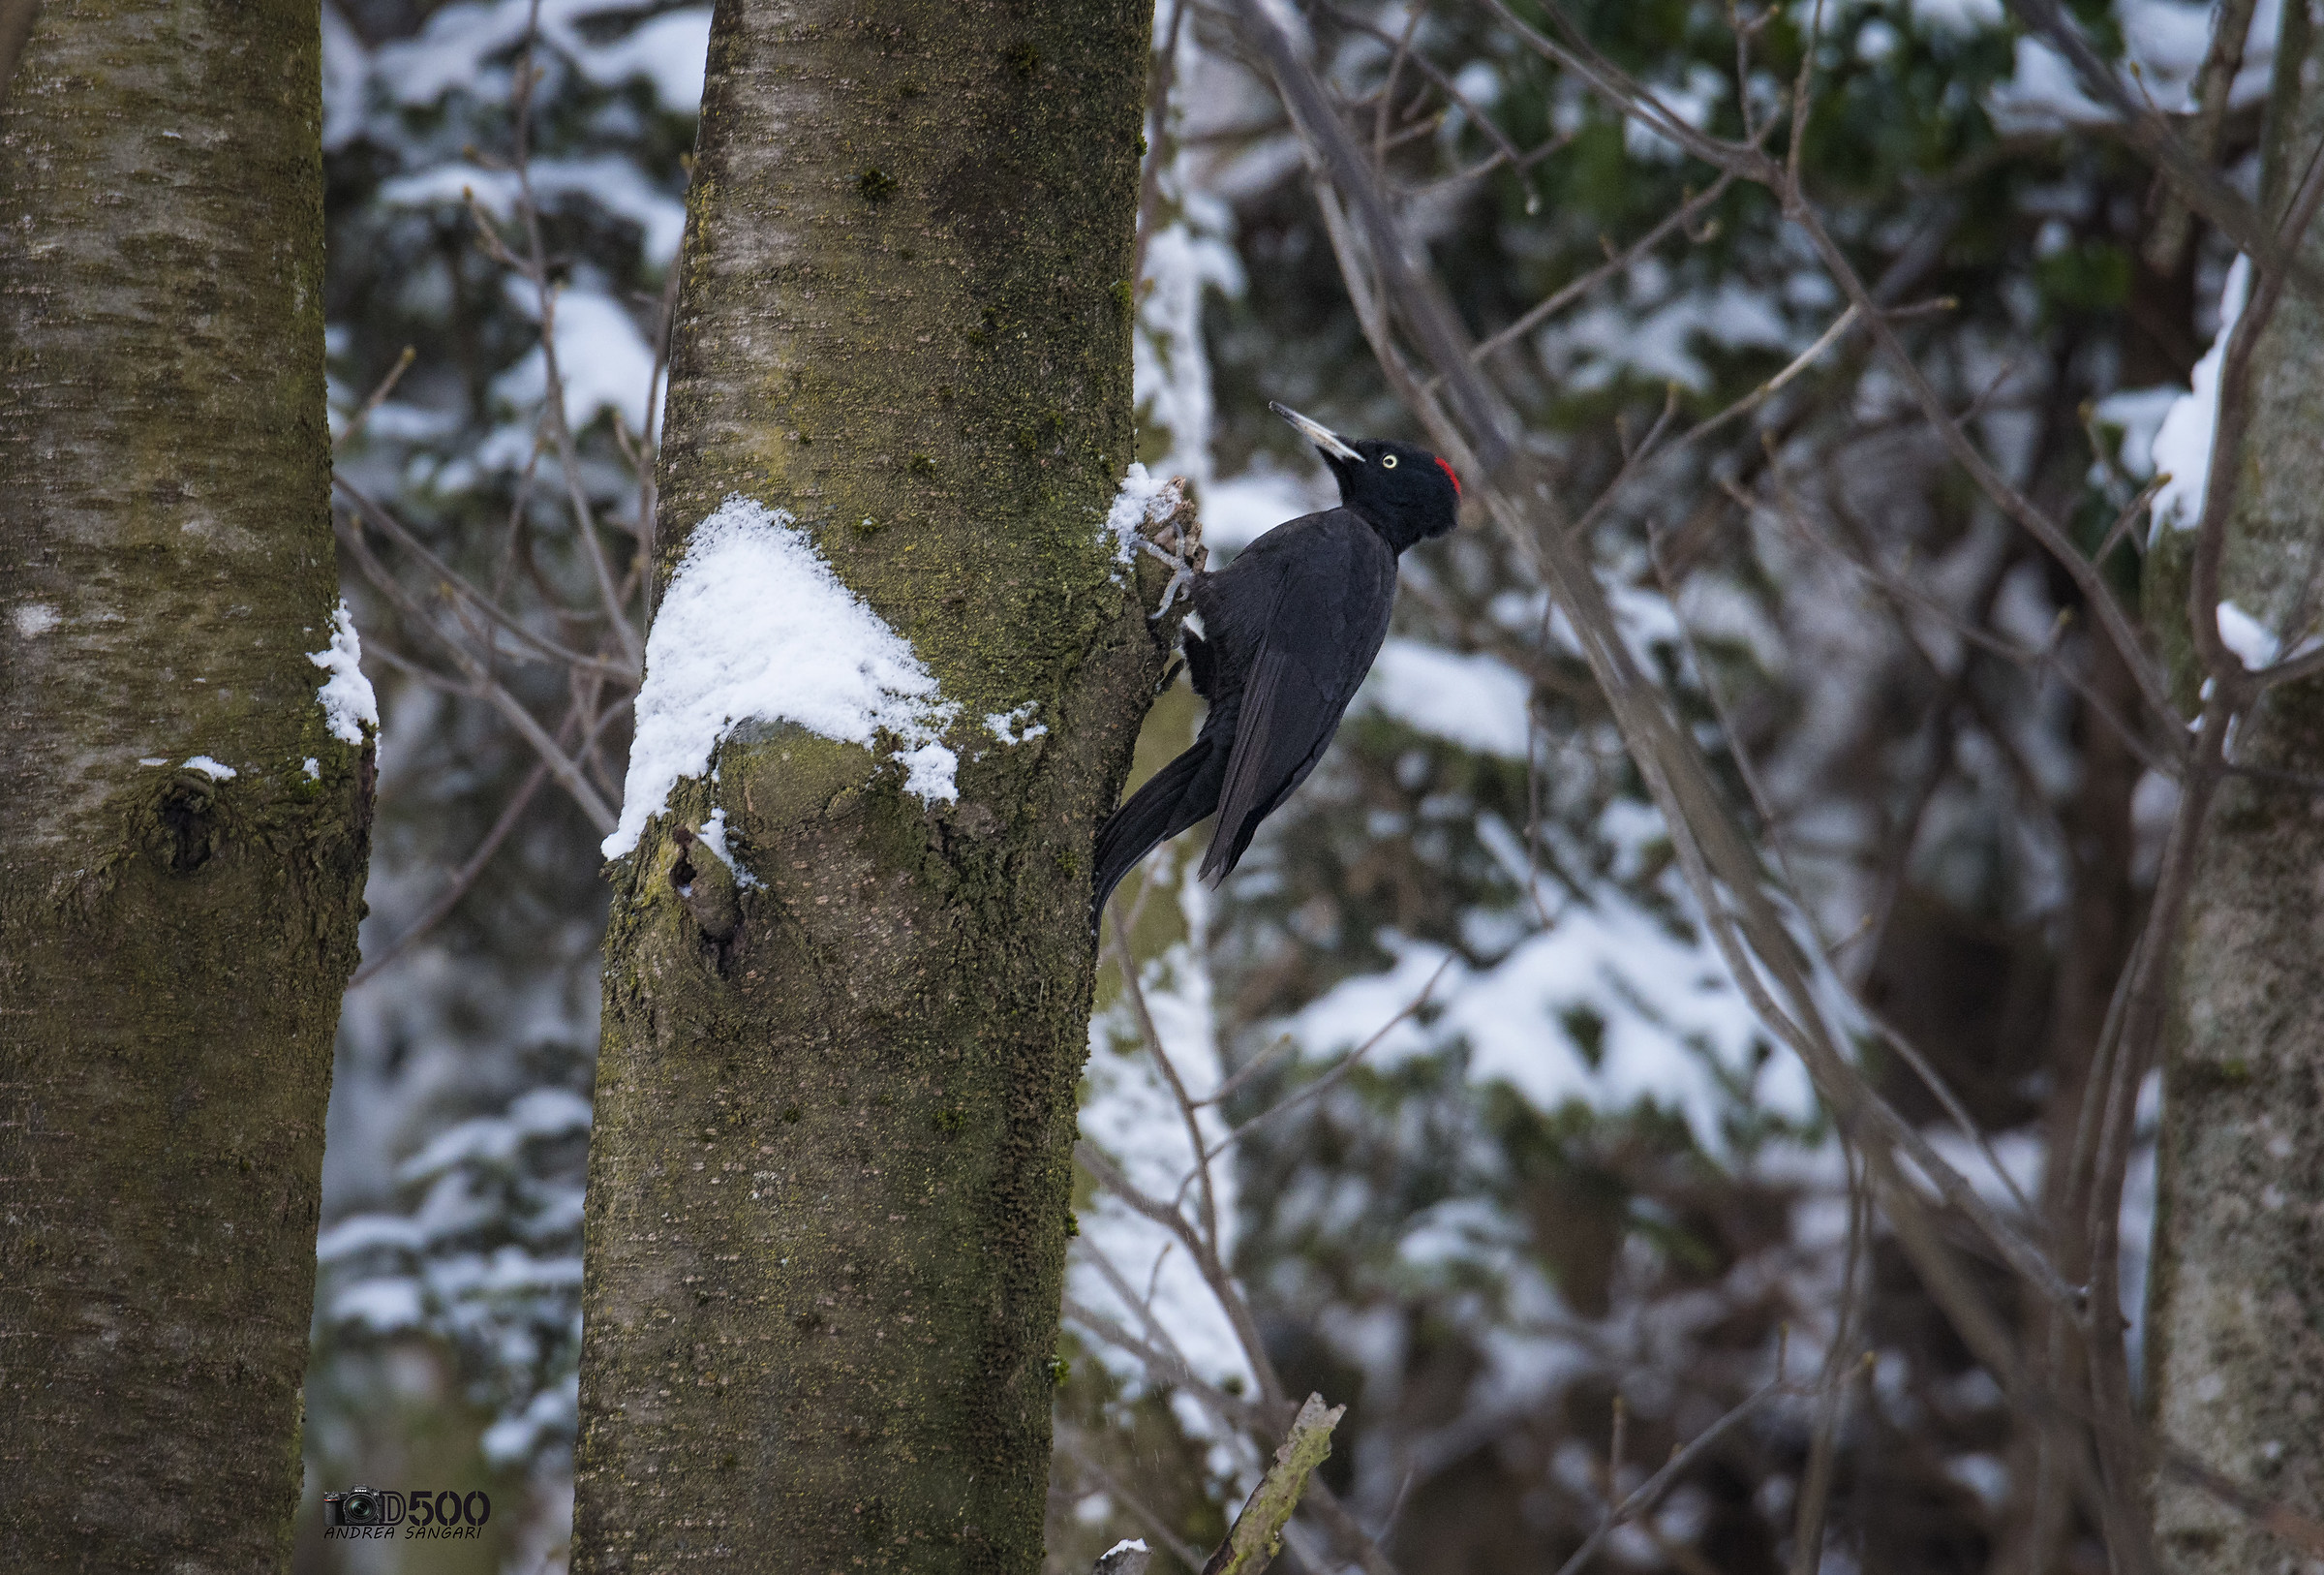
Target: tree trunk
<point>175,937</point>
<point>829,1183</point>
<point>2238,1311</point>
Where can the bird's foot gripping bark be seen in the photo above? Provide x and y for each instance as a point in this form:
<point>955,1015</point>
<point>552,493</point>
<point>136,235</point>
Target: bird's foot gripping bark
<point>1172,534</point>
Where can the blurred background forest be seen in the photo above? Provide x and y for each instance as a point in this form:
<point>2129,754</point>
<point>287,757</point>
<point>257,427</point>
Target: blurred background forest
<point>1506,1164</point>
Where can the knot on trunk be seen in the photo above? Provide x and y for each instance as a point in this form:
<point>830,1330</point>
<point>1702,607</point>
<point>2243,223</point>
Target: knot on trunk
<point>706,885</point>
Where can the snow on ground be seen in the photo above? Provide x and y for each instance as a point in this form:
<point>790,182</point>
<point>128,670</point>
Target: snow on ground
<point>669,51</point>
<point>1657,331</point>
<point>1184,259</point>
<point>755,626</point>
<point>2164,43</point>
<point>461,47</point>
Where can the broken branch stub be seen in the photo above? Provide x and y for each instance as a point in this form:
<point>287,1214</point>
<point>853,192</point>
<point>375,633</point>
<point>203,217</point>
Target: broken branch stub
<point>1258,1532</point>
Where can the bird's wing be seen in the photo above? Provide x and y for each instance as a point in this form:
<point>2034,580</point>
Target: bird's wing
<point>1275,738</point>
<point>1320,633</point>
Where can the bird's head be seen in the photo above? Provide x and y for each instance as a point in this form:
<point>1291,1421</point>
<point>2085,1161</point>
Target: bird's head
<point>1406,492</point>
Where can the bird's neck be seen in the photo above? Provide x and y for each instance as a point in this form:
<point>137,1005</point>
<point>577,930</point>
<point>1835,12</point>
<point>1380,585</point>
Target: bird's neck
<point>1398,535</point>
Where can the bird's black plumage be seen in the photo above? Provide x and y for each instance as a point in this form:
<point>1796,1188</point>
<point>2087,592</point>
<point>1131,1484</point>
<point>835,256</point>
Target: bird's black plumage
<point>1289,630</point>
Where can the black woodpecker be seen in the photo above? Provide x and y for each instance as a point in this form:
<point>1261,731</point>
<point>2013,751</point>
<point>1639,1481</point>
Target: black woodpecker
<point>1289,628</point>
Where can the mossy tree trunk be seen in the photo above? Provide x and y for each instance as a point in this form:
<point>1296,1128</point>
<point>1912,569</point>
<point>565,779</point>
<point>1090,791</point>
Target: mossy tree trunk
<point>173,939</point>
<point>2237,1341</point>
<point>829,1183</point>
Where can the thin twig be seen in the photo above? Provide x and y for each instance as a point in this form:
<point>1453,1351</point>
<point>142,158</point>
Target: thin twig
<point>2231,25</point>
<point>1806,1527</point>
<point>462,879</point>
<point>1340,1068</point>
<point>1126,961</point>
<point>2149,132</point>
<point>1649,1492</point>
<point>2099,597</point>
<point>1564,295</point>
<point>1108,1175</point>
<point>456,588</point>
<point>378,397</point>
<point>567,771</point>
<point>1717,859</point>
<point>1184,1552</point>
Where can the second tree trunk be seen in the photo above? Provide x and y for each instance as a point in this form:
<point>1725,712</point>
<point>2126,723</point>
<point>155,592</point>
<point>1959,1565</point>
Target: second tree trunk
<point>829,1187</point>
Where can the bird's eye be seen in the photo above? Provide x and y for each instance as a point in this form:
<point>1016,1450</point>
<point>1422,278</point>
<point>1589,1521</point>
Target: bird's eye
<point>1387,462</point>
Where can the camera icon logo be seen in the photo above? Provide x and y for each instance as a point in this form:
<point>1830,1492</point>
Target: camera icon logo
<point>362,1506</point>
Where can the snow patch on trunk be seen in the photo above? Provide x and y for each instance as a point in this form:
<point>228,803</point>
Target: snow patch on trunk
<point>349,705</point>
<point>713,838</point>
<point>1142,497</point>
<point>755,626</point>
<point>2182,443</point>
<point>1017,726</point>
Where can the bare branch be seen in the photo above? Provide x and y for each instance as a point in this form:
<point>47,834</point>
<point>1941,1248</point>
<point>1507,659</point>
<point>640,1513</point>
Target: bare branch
<point>1184,1552</point>
<point>1718,860</point>
<point>2231,25</point>
<point>1214,1273</point>
<point>2097,594</point>
<point>567,772</point>
<point>455,587</point>
<point>1339,1070</point>
<point>1676,221</point>
<point>464,877</point>
<point>2302,1531</point>
<point>2149,131</point>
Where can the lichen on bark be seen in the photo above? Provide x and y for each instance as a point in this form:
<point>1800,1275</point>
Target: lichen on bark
<point>829,1189</point>
<point>175,937</point>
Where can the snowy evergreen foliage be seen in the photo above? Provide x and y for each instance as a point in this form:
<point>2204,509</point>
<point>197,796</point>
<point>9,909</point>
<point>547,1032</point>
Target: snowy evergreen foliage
<point>1569,1166</point>
<point>1580,1170</point>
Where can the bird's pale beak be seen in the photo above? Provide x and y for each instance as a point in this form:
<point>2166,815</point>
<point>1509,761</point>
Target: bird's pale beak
<point>1317,433</point>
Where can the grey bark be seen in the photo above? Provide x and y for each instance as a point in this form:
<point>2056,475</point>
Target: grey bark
<point>2237,1341</point>
<point>173,941</point>
<point>829,1185</point>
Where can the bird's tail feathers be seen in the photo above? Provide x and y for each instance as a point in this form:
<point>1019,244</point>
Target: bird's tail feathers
<point>1168,804</point>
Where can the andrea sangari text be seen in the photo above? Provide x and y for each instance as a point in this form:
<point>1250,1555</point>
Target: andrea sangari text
<point>365,1514</point>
